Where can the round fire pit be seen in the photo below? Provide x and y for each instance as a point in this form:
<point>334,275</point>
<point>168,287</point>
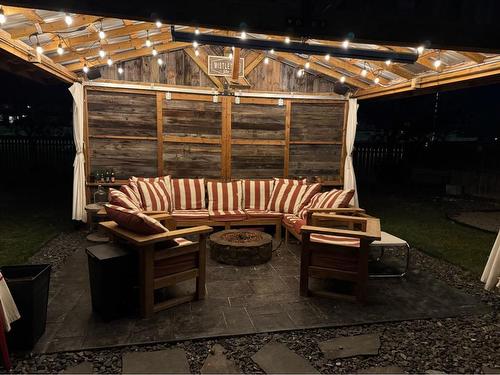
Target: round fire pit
<point>240,247</point>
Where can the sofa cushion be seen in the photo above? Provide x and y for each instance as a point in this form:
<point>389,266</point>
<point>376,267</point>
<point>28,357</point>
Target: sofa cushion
<point>190,214</point>
<point>256,193</point>
<point>314,200</point>
<point>119,198</point>
<point>188,193</point>
<point>293,222</point>
<point>291,181</point>
<point>134,220</point>
<point>286,196</point>
<point>227,215</point>
<point>251,213</point>
<point>132,192</point>
<point>155,195</point>
<point>335,240</point>
<point>310,192</point>
<point>224,196</point>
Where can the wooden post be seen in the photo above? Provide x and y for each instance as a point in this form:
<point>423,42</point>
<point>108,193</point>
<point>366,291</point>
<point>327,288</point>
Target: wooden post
<point>159,132</point>
<point>226,138</point>
<point>236,64</point>
<point>288,119</point>
<point>146,280</point>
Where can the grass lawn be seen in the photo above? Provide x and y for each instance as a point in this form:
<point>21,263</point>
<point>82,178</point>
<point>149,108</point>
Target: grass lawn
<point>25,226</point>
<point>422,221</point>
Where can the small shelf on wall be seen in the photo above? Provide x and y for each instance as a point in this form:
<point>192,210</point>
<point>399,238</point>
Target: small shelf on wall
<point>108,184</point>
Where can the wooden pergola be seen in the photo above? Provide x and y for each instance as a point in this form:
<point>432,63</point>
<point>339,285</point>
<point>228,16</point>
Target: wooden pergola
<point>65,48</point>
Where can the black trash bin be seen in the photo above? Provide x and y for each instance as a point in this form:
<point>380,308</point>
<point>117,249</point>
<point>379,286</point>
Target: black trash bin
<point>29,286</point>
<point>113,280</point>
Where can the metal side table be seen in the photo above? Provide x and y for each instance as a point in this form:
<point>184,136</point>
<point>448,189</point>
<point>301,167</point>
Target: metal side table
<point>388,240</point>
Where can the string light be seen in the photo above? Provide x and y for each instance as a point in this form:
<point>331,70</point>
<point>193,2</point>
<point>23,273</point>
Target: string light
<point>342,79</point>
<point>158,23</point>
<point>68,19</point>
<point>271,51</point>
<point>148,41</point>
<point>327,57</point>
<point>196,52</point>
<point>307,65</point>
<point>3,18</point>
<point>110,61</point>
<point>287,40</point>
<point>376,80</point>
<point>300,72</point>
<point>102,34</point>
<point>195,44</point>
<point>197,31</point>
<point>420,49</point>
<point>154,51</point>
<point>243,35</point>
<point>437,63</point>
<point>60,49</point>
<point>345,43</point>
<point>85,68</point>
<point>388,62</point>
<point>364,72</point>
<point>266,60</point>
<point>120,70</point>
<point>231,55</point>
<point>102,53</point>
<point>39,48</point>
<point>160,61</point>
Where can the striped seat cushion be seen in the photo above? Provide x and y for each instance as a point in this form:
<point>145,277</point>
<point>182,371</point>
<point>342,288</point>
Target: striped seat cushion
<point>286,196</point>
<point>132,192</point>
<point>224,196</point>
<point>190,214</point>
<point>188,193</point>
<point>182,241</point>
<point>256,193</point>
<point>293,222</point>
<point>134,220</point>
<point>118,198</point>
<point>228,215</point>
<point>251,213</point>
<point>155,195</point>
<point>335,240</point>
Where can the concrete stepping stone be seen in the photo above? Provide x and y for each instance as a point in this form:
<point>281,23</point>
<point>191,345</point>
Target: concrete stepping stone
<point>218,363</point>
<point>168,361</point>
<point>351,346</point>
<point>276,358</point>
<point>382,370</point>
<point>81,368</point>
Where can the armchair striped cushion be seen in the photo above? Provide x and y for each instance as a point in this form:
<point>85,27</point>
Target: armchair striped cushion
<point>330,199</point>
<point>286,196</point>
<point>134,220</point>
<point>119,198</point>
<point>256,193</point>
<point>188,193</point>
<point>132,192</point>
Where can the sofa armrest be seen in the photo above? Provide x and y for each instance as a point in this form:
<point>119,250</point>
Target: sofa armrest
<point>371,235</point>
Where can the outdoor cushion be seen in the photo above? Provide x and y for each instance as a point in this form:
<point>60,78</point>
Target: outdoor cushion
<point>330,199</point>
<point>311,191</point>
<point>291,181</point>
<point>155,194</point>
<point>256,193</point>
<point>224,196</point>
<point>293,222</point>
<point>314,200</point>
<point>188,193</point>
<point>262,213</point>
<point>228,215</point>
<point>118,198</point>
<point>130,191</point>
<point>335,240</point>
<point>286,196</point>
<point>182,241</point>
<point>134,220</point>
<point>190,214</point>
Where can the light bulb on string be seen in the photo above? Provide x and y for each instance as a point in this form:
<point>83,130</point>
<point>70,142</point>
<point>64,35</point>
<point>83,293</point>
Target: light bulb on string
<point>3,18</point>
<point>420,49</point>
<point>271,51</point>
<point>68,19</point>
<point>243,35</point>
<point>376,80</point>
<point>327,57</point>
<point>39,48</point>
<point>102,53</point>
<point>345,43</point>
<point>85,68</point>
<point>342,79</point>
<point>109,61</point>
<point>148,41</point>
<point>300,72</point>
<point>388,62</point>
<point>437,63</point>
<point>287,40</point>
<point>158,24</point>
<point>195,44</point>
<point>266,60</point>
<point>231,55</point>
<point>60,49</point>
<point>154,52</point>
<point>160,61</point>
<point>197,52</point>
<point>197,31</point>
<point>120,70</point>
<point>102,34</point>
<point>307,65</point>
<point>364,72</point>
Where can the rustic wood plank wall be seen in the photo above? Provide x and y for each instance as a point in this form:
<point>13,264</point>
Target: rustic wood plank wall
<point>136,132</point>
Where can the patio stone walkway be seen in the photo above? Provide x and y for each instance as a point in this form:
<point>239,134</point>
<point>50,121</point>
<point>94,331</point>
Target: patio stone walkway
<point>218,363</point>
<point>241,300</point>
<point>276,358</point>
<point>345,347</point>
<point>168,361</point>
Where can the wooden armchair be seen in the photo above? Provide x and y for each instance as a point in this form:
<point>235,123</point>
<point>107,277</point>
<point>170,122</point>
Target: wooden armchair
<point>336,247</point>
<point>165,259</point>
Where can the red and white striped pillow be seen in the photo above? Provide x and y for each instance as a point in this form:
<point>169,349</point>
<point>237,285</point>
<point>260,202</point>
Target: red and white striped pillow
<point>291,181</point>
<point>286,196</point>
<point>330,199</point>
<point>314,200</point>
<point>155,195</point>
<point>119,198</point>
<point>256,193</point>
<point>188,193</point>
<point>224,196</point>
<point>134,220</point>
<point>132,192</point>
<point>311,191</point>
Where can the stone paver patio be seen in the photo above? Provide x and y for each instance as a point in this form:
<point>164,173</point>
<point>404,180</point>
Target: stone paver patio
<point>241,300</point>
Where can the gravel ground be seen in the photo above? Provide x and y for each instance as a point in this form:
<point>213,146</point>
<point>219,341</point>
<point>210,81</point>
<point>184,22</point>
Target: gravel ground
<point>454,345</point>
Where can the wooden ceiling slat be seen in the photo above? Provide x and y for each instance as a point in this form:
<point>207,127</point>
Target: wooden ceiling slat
<point>53,26</point>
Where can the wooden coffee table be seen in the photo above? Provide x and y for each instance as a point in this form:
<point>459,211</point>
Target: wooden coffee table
<point>241,247</point>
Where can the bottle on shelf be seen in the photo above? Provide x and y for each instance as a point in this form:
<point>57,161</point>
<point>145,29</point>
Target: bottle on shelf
<point>107,176</point>
<point>113,179</point>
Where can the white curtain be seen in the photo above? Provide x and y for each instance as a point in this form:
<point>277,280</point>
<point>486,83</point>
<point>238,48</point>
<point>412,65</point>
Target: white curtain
<point>79,199</point>
<point>491,272</point>
<point>349,176</point>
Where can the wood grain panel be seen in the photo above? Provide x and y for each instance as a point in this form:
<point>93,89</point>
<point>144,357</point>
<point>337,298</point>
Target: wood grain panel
<point>192,118</point>
<point>317,122</point>
<point>192,160</point>
<point>256,161</point>
<point>123,114</point>
<point>127,158</point>
<point>315,160</point>
<point>256,121</point>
